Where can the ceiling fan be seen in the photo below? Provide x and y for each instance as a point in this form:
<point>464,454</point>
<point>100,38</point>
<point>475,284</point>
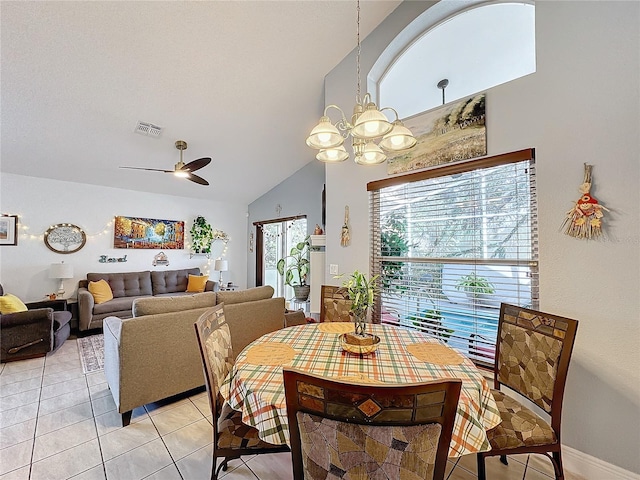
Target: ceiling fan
<point>181,169</point>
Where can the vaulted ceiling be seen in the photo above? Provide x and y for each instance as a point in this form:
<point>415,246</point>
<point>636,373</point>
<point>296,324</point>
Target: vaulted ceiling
<point>239,81</point>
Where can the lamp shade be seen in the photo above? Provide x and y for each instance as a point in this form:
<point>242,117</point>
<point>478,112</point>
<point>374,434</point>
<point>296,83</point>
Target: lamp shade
<point>371,154</point>
<point>333,155</point>
<point>221,265</point>
<point>399,138</point>
<point>371,123</point>
<point>325,135</point>
<point>60,270</point>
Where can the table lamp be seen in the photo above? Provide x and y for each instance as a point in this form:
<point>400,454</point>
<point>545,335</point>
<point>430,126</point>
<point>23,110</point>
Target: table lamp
<point>221,266</point>
<point>61,271</point>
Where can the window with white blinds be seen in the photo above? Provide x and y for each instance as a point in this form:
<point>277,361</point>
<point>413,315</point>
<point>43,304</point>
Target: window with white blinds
<point>451,244</point>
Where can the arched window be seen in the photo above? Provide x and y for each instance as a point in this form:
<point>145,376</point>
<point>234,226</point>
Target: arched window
<point>475,49</point>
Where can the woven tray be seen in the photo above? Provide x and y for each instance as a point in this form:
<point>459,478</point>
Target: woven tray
<point>435,353</point>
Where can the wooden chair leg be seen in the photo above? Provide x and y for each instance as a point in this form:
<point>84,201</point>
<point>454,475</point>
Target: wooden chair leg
<point>126,418</point>
<point>482,474</point>
<point>557,465</point>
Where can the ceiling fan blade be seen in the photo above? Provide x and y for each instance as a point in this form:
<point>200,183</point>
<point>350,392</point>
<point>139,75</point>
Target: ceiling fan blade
<point>197,179</point>
<point>149,169</point>
<point>197,164</point>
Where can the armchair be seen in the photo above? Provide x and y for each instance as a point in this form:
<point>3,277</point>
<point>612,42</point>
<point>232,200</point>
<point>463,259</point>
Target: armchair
<point>33,333</point>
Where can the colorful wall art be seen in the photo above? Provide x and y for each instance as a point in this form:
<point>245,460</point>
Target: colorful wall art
<point>455,131</point>
<point>136,232</point>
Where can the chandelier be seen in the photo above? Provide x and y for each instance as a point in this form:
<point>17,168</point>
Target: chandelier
<point>366,126</point>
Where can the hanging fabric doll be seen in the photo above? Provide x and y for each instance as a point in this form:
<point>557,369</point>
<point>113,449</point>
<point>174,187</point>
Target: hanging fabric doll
<point>584,220</point>
<point>345,236</point>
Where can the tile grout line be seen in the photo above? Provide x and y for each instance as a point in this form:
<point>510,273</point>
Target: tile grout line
<point>95,425</point>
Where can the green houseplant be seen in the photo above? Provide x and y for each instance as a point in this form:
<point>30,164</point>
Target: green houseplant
<point>201,235</point>
<point>295,269</point>
<point>475,287</point>
<point>430,320</point>
<point>361,291</point>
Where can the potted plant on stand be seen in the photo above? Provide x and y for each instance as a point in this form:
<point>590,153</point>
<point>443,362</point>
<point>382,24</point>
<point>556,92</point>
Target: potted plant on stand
<point>478,289</point>
<point>295,269</point>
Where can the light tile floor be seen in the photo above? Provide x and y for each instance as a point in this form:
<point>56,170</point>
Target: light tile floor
<point>58,423</point>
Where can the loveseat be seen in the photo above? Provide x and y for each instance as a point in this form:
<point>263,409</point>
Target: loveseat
<point>155,354</point>
<point>127,287</point>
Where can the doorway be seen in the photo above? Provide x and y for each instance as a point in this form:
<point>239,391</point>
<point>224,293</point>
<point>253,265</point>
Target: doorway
<point>274,240</point>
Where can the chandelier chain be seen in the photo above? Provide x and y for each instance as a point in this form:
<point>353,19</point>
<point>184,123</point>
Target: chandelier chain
<point>368,123</point>
<point>358,51</point>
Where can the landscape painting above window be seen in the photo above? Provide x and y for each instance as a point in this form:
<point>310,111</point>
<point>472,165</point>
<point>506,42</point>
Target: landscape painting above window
<point>450,133</point>
<point>136,232</point>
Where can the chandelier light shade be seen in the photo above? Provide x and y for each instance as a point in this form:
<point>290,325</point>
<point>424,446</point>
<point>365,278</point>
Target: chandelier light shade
<point>368,123</point>
<point>333,155</point>
<point>371,154</point>
<point>398,139</point>
<point>371,123</point>
<point>325,135</point>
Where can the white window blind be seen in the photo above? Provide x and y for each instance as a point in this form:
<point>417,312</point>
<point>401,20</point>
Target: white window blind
<point>451,244</point>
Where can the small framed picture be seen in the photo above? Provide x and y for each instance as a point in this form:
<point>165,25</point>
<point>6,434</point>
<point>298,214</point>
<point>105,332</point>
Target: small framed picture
<point>9,230</point>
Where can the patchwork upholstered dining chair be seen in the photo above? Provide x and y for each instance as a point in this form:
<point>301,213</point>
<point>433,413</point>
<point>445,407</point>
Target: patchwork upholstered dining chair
<point>342,429</point>
<point>231,437</point>
<point>532,358</point>
<point>335,304</point>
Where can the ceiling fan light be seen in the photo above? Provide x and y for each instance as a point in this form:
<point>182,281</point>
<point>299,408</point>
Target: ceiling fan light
<point>333,155</point>
<point>372,123</point>
<point>371,154</point>
<point>324,135</point>
<point>181,173</point>
<point>399,138</point>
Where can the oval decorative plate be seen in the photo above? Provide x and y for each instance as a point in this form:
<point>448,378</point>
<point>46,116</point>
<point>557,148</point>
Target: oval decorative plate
<point>64,238</point>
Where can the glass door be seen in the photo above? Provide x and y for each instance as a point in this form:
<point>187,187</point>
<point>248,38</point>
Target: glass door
<point>277,239</point>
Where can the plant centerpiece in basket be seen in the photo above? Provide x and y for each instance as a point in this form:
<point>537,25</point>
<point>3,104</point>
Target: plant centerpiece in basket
<point>362,292</point>
<point>295,269</point>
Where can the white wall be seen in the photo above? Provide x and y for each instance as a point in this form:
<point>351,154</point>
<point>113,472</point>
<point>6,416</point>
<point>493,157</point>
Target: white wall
<point>300,194</point>
<point>24,269</point>
<point>582,105</point>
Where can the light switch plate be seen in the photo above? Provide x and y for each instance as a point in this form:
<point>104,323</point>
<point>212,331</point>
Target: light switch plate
<point>333,269</point>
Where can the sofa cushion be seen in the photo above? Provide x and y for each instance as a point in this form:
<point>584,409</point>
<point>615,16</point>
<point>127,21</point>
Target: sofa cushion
<point>155,305</point>
<point>129,284</point>
<point>101,291</point>
<point>248,295</point>
<point>197,283</point>
<point>169,281</point>
<point>115,305</point>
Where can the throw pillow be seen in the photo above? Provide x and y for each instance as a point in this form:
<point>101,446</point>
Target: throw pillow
<point>101,291</point>
<point>11,304</point>
<point>197,283</point>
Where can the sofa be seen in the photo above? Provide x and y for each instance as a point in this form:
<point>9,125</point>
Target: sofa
<point>127,287</point>
<point>155,354</point>
<point>32,333</point>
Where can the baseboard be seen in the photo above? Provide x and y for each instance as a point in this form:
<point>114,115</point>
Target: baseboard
<point>592,468</point>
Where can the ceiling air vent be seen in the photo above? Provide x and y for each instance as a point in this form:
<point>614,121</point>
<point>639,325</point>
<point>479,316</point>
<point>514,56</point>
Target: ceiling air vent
<point>148,129</point>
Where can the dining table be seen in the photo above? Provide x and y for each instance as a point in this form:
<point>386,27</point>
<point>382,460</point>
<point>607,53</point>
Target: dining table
<point>255,385</point>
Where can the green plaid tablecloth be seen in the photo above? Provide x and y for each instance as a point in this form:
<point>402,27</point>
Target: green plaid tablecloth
<point>258,390</point>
